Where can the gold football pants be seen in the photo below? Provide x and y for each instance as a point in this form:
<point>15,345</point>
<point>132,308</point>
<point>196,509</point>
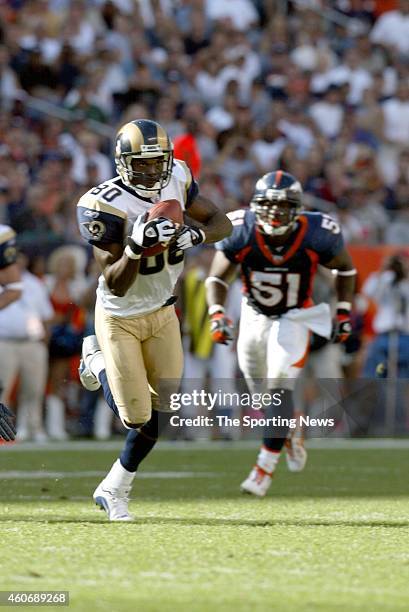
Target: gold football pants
<point>143,360</point>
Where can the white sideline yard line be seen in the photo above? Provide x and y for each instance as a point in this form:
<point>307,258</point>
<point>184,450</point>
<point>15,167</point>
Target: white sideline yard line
<point>207,445</point>
<point>40,474</point>
<point>54,475</point>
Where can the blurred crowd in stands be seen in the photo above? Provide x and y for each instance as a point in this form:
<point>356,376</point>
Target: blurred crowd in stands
<point>319,89</point>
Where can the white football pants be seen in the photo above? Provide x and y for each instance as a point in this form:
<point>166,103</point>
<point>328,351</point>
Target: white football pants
<point>272,351</point>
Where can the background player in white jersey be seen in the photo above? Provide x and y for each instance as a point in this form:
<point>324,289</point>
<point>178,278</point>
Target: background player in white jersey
<point>135,320</point>
<point>278,248</point>
<point>10,291</point>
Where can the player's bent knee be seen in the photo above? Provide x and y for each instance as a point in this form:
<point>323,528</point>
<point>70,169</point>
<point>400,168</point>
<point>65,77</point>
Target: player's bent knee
<point>129,425</point>
<point>164,409</point>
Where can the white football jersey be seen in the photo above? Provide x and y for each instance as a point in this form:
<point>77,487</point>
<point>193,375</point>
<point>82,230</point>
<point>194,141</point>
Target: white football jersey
<point>106,215</point>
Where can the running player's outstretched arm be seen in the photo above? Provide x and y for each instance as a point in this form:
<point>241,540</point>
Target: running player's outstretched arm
<point>345,283</point>
<point>213,225</point>
<point>222,271</point>
<point>345,286</point>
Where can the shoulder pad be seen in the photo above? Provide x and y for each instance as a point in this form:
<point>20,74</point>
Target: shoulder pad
<point>99,222</point>
<point>8,248</point>
<point>243,224</point>
<point>324,235</point>
<point>183,173</point>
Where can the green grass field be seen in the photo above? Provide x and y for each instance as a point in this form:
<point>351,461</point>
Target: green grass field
<point>335,537</point>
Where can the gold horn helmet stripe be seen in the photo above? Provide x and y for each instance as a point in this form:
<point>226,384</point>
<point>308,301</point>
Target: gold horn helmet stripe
<point>130,133</point>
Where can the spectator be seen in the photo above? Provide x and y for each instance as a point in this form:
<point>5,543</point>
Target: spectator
<point>67,286</point>
<point>396,116</point>
<point>9,83</point>
<point>240,14</point>
<point>391,29</point>
<point>389,289</point>
<point>87,154</point>
<point>23,353</point>
<point>186,148</point>
<point>328,114</point>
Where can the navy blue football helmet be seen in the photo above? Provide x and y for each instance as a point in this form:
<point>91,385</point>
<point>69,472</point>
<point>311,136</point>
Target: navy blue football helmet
<point>277,201</point>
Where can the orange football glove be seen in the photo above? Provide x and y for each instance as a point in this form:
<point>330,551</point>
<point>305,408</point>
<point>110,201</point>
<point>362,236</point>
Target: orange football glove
<point>221,327</point>
<point>342,326</point>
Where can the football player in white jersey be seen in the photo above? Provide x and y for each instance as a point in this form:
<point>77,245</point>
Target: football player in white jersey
<point>278,246</point>
<point>10,291</point>
<point>137,353</point>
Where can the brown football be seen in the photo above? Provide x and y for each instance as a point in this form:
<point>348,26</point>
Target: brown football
<point>171,209</point>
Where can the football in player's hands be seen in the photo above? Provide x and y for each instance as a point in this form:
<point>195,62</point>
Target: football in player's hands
<point>167,209</point>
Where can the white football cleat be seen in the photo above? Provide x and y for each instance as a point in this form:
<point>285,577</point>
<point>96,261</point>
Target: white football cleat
<point>296,455</point>
<point>114,502</point>
<point>90,347</point>
<point>257,483</point>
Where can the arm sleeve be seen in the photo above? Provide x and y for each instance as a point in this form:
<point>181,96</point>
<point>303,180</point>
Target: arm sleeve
<point>191,186</point>
<point>100,227</point>
<point>328,239</point>
<point>192,193</point>
<point>227,247</point>
<point>232,246</point>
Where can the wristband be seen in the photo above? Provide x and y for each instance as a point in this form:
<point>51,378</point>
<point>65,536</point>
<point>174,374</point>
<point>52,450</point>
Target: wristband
<point>18,286</point>
<point>351,272</point>
<point>215,308</point>
<point>129,253</point>
<point>344,306</point>
<point>216,279</point>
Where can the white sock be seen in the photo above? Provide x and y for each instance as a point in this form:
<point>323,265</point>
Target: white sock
<point>268,459</point>
<point>119,477</point>
<point>96,363</point>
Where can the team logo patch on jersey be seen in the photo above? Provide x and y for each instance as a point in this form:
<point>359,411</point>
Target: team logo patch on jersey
<point>10,254</point>
<point>96,229</point>
<point>91,213</point>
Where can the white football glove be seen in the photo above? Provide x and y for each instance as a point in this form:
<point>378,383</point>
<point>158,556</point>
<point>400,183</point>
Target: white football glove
<point>146,234</point>
<point>188,237</point>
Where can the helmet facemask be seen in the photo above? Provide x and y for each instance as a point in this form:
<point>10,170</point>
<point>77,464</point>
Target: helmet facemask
<point>137,180</point>
<point>276,215</point>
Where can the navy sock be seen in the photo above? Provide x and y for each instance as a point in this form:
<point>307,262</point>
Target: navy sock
<point>284,411</point>
<point>107,392</point>
<point>140,442</point>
